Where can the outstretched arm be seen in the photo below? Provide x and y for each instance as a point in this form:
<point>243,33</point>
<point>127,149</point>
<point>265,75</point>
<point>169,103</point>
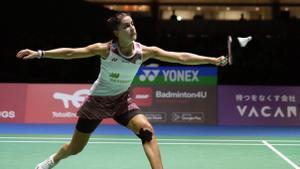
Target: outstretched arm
<point>181,57</point>
<point>66,53</point>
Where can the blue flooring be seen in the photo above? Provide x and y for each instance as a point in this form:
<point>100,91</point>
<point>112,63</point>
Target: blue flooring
<point>161,130</point>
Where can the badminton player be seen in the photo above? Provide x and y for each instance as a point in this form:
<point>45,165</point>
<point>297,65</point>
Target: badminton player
<point>109,96</point>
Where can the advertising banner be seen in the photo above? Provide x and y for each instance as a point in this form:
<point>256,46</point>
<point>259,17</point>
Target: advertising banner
<point>12,104</point>
<point>174,104</point>
<point>177,94</point>
<point>185,94</point>
<point>176,75</point>
<point>259,105</point>
<point>55,103</point>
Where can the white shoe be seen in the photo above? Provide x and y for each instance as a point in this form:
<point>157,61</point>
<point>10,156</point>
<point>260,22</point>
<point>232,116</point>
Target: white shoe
<point>47,164</point>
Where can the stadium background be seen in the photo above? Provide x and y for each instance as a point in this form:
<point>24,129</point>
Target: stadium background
<point>270,59</point>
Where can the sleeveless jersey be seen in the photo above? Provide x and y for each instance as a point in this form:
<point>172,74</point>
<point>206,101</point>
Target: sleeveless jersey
<point>117,71</point>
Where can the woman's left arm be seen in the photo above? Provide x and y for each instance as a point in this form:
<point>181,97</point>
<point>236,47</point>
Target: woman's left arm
<point>181,57</point>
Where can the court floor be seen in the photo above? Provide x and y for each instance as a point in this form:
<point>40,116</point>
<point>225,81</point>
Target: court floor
<point>124,151</point>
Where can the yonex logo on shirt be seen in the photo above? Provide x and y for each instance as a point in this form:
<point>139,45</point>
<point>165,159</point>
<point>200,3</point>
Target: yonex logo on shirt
<point>114,59</point>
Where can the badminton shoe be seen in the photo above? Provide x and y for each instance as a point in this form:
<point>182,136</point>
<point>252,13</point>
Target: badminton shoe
<point>47,164</point>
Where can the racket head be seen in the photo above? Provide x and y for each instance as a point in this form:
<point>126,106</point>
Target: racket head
<point>229,49</point>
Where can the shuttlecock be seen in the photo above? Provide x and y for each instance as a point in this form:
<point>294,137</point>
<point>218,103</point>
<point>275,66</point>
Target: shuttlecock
<point>244,41</point>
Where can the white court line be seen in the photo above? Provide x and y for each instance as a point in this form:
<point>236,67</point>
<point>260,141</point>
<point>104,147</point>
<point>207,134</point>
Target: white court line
<point>280,155</point>
<point>161,143</point>
<point>159,139</point>
<point>120,142</point>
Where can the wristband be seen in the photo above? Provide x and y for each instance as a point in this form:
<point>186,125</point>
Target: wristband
<point>41,53</point>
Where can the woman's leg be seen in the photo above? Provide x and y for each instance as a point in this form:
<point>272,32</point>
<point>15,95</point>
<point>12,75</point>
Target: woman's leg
<point>81,135</point>
<point>140,125</point>
<point>76,145</point>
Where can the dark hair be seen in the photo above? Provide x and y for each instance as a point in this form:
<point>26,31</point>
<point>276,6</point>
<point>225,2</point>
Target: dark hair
<point>114,21</point>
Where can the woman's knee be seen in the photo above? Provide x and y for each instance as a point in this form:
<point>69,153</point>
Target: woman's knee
<point>147,126</point>
<point>139,122</point>
<point>141,126</point>
<point>145,132</point>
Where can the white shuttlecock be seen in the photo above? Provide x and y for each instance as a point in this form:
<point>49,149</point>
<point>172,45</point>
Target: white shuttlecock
<point>244,41</point>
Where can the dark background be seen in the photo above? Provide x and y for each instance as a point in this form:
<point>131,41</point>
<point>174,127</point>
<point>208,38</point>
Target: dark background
<point>271,58</point>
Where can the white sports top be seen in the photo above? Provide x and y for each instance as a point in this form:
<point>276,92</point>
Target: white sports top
<point>117,71</point>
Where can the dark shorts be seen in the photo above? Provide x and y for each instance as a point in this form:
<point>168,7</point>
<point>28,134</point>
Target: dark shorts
<point>96,108</point>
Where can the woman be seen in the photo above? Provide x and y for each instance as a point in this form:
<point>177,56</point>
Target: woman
<point>109,96</point>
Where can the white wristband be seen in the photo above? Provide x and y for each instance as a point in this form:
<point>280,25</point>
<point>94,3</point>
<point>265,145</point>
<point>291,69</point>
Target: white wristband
<point>40,54</point>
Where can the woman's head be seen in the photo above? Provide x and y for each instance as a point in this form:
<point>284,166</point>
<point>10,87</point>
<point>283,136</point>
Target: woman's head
<point>122,26</point>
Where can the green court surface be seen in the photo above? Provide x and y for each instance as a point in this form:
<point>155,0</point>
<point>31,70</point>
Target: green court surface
<point>126,152</point>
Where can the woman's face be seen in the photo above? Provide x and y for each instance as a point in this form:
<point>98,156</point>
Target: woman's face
<point>126,30</point>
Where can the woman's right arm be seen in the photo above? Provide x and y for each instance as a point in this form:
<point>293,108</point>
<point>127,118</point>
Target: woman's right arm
<point>66,53</point>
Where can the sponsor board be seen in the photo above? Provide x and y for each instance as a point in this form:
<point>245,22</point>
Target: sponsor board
<point>56,103</point>
<point>188,75</point>
<point>158,90</point>
<point>259,105</point>
<point>12,102</point>
<point>170,99</point>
